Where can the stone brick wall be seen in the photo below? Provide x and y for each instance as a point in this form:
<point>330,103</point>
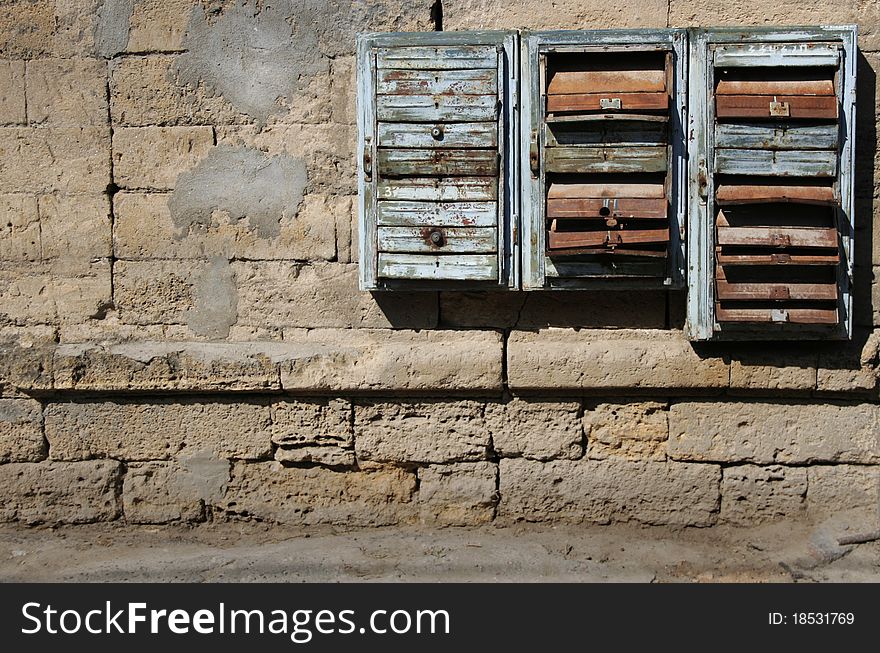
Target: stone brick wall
<point>182,338</point>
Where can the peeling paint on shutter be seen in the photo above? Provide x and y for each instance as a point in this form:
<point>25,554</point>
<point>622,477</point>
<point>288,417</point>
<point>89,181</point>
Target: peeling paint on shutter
<point>438,190</point>
<point>602,158</point>
<point>771,195</point>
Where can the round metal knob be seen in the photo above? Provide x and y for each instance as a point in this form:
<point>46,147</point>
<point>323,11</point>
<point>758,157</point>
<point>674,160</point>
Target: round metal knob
<point>437,133</point>
<point>436,238</point>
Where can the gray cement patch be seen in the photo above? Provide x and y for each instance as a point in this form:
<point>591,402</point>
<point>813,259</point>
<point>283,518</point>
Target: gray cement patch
<point>112,27</point>
<point>254,54</point>
<point>206,476</point>
<point>216,301</point>
<point>244,183</point>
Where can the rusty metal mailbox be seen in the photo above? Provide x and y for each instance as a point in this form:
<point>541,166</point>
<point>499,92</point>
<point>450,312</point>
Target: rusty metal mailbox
<point>436,135</point>
<point>771,198</point>
<point>603,161</point>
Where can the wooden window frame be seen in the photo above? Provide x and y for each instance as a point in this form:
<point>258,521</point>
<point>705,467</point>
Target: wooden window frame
<point>508,196</point>
<point>533,46</point>
<point>701,323</point>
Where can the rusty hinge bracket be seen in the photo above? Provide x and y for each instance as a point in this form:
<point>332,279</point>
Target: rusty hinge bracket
<point>780,240</point>
<point>780,109</point>
<point>534,160</point>
<point>368,159</point>
<point>610,103</point>
<point>780,292</point>
<point>780,257</point>
<point>703,180</point>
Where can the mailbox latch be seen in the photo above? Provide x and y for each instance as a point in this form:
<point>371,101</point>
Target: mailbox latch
<point>610,103</point>
<point>533,154</point>
<point>780,109</point>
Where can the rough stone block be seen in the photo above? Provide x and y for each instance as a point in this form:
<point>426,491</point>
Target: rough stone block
<point>748,12</point>
<point>153,157</point>
<point>342,80</point>
<point>65,159</point>
<point>75,226</point>
<point>166,365</point>
<point>26,28</point>
<point>324,295</point>
<point>534,428</point>
<point>158,25</point>
<point>314,495</point>
<point>312,422</point>
<point>603,491</point>
<point>538,310</point>
<point>21,431</point>
<point>635,430</point>
<point>314,431</point>
<point>41,294</point>
<point>378,360</point>
<point>328,456</point>
<point>200,294</point>
<point>159,292</point>
<point>313,361</point>
<point>12,99</point>
<point>767,433</point>
<point>346,233</point>
<point>145,229</point>
<point>868,20</point>
<point>159,493</point>
<point>832,489</point>
<point>26,357</point>
<point>562,14</point>
<point>751,495</point>
<point>19,228</point>
<point>338,21</point>
<point>328,151</point>
<point>566,359</point>
<point>143,92</point>
<point>850,368</point>
<point>771,371</point>
<point>463,494</point>
<point>424,432</point>
<point>67,92</point>
<point>60,493</point>
<point>159,429</point>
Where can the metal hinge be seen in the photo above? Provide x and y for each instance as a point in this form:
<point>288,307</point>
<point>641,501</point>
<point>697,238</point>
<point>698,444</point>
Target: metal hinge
<point>780,109</point>
<point>609,103</point>
<point>534,160</point>
<point>703,180</point>
<point>780,240</point>
<point>368,159</point>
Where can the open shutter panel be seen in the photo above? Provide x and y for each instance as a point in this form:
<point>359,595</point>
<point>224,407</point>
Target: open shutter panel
<point>603,158</point>
<point>773,191</point>
<point>436,135</point>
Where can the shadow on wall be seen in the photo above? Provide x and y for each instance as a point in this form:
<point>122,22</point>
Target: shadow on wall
<point>866,148</point>
<point>624,309</point>
<point>666,310</point>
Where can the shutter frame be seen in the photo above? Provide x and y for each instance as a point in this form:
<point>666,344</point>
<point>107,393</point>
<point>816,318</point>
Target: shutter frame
<point>540,271</point>
<point>422,168</point>
<point>782,50</point>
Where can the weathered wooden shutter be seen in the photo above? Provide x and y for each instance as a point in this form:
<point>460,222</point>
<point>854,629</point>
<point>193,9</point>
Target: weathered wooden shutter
<point>436,132</point>
<point>602,152</point>
<point>771,142</point>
